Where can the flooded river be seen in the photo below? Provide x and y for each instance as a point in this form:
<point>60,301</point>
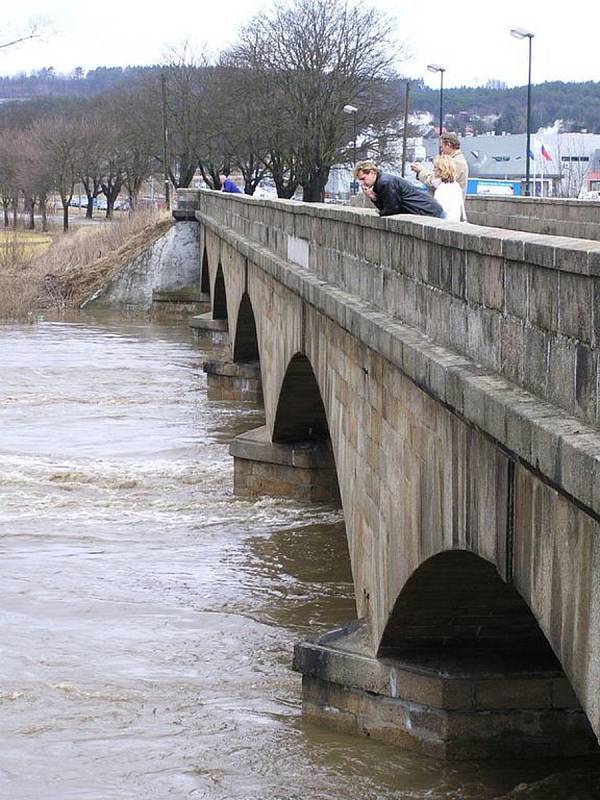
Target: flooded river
<point>147,616</point>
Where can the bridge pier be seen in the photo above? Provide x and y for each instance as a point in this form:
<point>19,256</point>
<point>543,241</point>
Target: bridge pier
<point>304,470</point>
<point>230,380</point>
<point>208,329</point>
<point>180,301</point>
<point>449,713</point>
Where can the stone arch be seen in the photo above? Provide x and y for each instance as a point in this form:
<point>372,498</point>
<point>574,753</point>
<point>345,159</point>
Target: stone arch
<point>219,295</point>
<point>463,671</point>
<point>301,431</point>
<point>204,274</point>
<point>300,415</point>
<point>245,345</point>
<point>456,609</point>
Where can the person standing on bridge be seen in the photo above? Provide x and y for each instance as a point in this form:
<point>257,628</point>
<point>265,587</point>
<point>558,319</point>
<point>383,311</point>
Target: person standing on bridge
<point>447,191</point>
<point>394,195</point>
<point>227,185</point>
<point>449,146</point>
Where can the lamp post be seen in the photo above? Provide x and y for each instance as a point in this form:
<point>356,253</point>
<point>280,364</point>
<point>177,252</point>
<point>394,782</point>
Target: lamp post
<point>405,128</point>
<point>163,81</point>
<point>521,33</point>
<point>441,70</point>
<point>348,109</point>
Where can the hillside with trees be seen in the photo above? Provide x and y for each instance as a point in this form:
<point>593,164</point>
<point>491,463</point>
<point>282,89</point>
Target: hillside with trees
<point>504,109</point>
<point>576,104</point>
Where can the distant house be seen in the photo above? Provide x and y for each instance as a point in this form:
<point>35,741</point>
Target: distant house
<point>592,178</point>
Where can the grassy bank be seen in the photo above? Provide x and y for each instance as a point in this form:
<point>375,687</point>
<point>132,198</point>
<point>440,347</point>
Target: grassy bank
<point>56,272</point>
<point>21,245</point>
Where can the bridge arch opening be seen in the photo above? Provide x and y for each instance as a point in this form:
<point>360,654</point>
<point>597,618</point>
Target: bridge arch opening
<point>204,275</point>
<point>301,423</point>
<point>455,610</point>
<point>300,413</point>
<point>219,297</point>
<point>456,622</point>
<point>245,346</point>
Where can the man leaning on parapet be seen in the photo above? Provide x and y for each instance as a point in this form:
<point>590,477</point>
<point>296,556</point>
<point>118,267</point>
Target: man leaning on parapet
<point>449,146</point>
<point>394,195</point>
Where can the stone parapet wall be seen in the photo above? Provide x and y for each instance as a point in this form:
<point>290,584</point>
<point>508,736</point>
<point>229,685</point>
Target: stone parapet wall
<point>479,318</point>
<point>578,219</point>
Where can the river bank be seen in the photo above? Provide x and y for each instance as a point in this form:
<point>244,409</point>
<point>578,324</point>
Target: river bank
<point>52,273</point>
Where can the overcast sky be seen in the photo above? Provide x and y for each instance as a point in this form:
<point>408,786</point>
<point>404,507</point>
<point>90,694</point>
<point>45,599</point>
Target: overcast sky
<point>470,38</point>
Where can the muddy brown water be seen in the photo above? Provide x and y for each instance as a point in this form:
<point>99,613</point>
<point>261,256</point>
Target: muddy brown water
<point>148,615</point>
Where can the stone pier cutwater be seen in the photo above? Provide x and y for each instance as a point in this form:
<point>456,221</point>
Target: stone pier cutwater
<point>441,382</point>
<point>228,380</point>
<point>205,328</point>
<point>303,470</point>
<point>186,301</point>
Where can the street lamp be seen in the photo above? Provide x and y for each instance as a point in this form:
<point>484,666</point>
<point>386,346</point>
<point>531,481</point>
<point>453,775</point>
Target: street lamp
<point>348,109</point>
<point>441,70</point>
<point>163,80</point>
<point>521,33</point>
<point>405,128</point>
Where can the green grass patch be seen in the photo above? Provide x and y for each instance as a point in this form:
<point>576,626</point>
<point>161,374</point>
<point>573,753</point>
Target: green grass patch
<point>26,243</point>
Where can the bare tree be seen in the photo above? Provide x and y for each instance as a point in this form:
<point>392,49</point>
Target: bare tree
<point>112,168</point>
<point>314,57</point>
<point>59,139</point>
<point>33,173</point>
<point>9,184</point>
<point>242,125</point>
<point>572,163</point>
<point>137,140</point>
<point>32,33</point>
<point>90,124</point>
<point>184,86</point>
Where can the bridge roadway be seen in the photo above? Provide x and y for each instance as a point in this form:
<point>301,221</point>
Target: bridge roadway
<point>441,382</point>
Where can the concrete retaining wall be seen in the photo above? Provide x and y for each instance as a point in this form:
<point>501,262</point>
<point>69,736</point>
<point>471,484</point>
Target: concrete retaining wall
<point>171,263</point>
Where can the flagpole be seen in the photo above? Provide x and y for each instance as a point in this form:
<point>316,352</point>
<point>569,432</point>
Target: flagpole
<point>543,168</point>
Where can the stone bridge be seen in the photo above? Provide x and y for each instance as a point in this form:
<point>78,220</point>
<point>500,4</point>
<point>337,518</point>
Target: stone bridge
<point>441,382</point>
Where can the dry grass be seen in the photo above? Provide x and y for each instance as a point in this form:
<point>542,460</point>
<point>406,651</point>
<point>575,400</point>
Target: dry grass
<point>74,266</point>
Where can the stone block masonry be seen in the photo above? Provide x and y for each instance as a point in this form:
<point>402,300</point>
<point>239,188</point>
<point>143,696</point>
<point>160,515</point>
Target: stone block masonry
<point>458,372</point>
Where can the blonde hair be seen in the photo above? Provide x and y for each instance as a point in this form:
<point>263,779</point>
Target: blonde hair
<point>365,166</point>
<point>445,167</point>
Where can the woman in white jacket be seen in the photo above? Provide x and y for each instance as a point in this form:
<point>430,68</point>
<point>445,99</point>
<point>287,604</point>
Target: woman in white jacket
<point>447,192</point>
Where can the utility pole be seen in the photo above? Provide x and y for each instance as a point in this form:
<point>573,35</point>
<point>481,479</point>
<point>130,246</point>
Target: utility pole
<point>163,81</point>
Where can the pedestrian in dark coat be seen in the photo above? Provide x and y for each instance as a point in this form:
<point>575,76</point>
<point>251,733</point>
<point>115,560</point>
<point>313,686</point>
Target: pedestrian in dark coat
<point>394,195</point>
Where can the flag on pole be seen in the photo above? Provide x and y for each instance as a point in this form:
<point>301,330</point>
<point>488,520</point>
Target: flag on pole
<point>531,156</point>
<point>545,154</point>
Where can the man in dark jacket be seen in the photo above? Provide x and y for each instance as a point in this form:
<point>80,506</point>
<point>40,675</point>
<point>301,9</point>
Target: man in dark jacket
<point>394,195</point>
